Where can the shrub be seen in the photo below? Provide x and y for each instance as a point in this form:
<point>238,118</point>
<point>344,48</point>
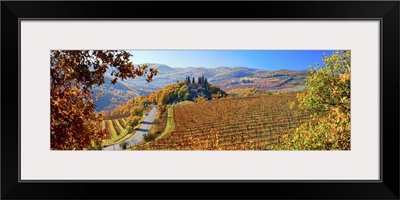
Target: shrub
<point>131,129</point>
<point>156,121</point>
<point>133,120</point>
<point>124,145</point>
<point>149,137</point>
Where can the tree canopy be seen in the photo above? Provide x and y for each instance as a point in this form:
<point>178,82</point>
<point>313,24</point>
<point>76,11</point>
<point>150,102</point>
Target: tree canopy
<point>327,98</point>
<point>74,123</point>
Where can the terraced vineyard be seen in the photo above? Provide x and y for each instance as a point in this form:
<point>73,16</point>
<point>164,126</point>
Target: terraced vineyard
<point>249,123</point>
<point>117,128</point>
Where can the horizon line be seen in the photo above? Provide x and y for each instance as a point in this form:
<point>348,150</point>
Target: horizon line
<point>221,66</point>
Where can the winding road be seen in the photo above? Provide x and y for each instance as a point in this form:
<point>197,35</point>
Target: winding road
<point>138,136</point>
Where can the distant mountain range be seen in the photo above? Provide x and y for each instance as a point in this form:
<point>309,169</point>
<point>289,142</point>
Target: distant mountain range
<point>113,95</point>
<point>227,78</point>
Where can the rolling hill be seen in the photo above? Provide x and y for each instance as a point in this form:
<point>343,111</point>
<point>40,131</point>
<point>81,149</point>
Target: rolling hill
<point>113,95</point>
<point>227,78</point>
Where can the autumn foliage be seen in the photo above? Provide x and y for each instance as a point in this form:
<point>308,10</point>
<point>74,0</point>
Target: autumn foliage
<point>244,123</point>
<point>315,119</point>
<point>328,98</point>
<point>170,94</point>
<point>74,124</point>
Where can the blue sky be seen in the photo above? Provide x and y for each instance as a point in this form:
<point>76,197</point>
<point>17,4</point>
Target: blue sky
<point>260,59</point>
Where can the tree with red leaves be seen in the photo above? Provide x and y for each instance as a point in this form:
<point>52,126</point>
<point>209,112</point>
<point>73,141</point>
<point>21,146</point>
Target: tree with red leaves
<point>74,123</point>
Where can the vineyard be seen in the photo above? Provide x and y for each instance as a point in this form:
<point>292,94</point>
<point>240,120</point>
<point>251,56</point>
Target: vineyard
<point>117,129</point>
<point>249,123</point>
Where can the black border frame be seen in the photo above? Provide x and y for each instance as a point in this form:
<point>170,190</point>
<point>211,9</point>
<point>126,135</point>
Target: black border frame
<point>386,11</point>
<point>208,180</point>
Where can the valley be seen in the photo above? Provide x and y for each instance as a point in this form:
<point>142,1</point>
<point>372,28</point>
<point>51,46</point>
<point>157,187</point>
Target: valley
<point>227,78</point>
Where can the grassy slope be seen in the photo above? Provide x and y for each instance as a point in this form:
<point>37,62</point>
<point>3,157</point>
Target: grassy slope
<point>170,122</point>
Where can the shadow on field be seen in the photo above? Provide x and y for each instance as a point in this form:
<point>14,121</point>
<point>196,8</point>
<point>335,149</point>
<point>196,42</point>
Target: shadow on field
<point>141,129</point>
